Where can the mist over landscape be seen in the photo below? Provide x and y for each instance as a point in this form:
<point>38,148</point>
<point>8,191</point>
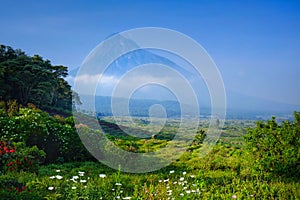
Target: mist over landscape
<point>149,100</point>
<point>239,106</point>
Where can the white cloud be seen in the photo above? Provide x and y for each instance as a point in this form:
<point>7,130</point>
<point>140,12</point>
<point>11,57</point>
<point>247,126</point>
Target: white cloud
<point>166,81</point>
<point>95,79</point>
<point>87,84</point>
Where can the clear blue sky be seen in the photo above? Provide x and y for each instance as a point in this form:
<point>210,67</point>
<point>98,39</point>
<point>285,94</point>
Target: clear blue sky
<point>255,44</point>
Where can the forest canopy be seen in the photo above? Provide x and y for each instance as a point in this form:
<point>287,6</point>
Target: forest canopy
<point>31,79</point>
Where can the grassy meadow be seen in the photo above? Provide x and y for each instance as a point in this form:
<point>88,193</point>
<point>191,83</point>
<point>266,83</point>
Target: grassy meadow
<point>227,172</point>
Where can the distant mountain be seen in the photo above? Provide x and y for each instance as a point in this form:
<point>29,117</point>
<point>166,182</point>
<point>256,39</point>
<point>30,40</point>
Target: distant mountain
<point>127,61</point>
<point>132,58</point>
<point>238,105</point>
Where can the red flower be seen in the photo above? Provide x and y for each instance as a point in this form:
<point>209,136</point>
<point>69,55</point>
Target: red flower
<point>23,188</point>
<point>12,151</point>
<point>20,189</point>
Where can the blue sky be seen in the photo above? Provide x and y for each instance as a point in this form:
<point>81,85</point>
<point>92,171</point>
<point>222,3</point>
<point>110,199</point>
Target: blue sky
<point>255,44</point>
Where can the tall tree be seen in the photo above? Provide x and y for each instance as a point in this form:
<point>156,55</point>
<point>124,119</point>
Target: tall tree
<point>33,80</point>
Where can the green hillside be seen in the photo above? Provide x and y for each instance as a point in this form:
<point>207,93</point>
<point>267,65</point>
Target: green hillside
<point>42,156</point>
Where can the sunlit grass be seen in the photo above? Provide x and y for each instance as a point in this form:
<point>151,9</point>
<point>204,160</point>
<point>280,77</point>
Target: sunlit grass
<point>91,181</point>
<point>225,173</point>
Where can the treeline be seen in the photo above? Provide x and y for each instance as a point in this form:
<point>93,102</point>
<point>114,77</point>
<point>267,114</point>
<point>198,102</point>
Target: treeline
<point>31,79</point>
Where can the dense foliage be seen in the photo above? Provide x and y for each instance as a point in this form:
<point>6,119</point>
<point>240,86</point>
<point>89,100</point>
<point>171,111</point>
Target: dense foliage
<point>276,147</point>
<point>18,157</point>
<point>33,80</point>
<point>55,135</point>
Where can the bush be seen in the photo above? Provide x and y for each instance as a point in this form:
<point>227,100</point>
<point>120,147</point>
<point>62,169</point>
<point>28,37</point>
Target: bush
<point>7,151</point>
<point>18,157</point>
<point>14,186</point>
<point>27,158</point>
<point>56,135</point>
<point>275,147</point>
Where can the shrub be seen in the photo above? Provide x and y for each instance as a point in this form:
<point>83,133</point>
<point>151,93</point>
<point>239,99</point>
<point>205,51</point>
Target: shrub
<point>7,151</point>
<point>14,186</point>
<point>275,147</point>
<point>27,158</point>
<point>56,135</point>
<point>18,157</point>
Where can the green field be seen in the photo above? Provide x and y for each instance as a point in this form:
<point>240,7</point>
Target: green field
<point>227,172</point>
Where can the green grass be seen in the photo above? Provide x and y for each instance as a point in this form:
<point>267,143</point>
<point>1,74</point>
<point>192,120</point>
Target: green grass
<point>211,182</point>
<point>225,173</point>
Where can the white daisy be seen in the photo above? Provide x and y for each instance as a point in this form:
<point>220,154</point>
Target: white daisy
<point>59,177</point>
<point>102,175</point>
<point>50,188</point>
